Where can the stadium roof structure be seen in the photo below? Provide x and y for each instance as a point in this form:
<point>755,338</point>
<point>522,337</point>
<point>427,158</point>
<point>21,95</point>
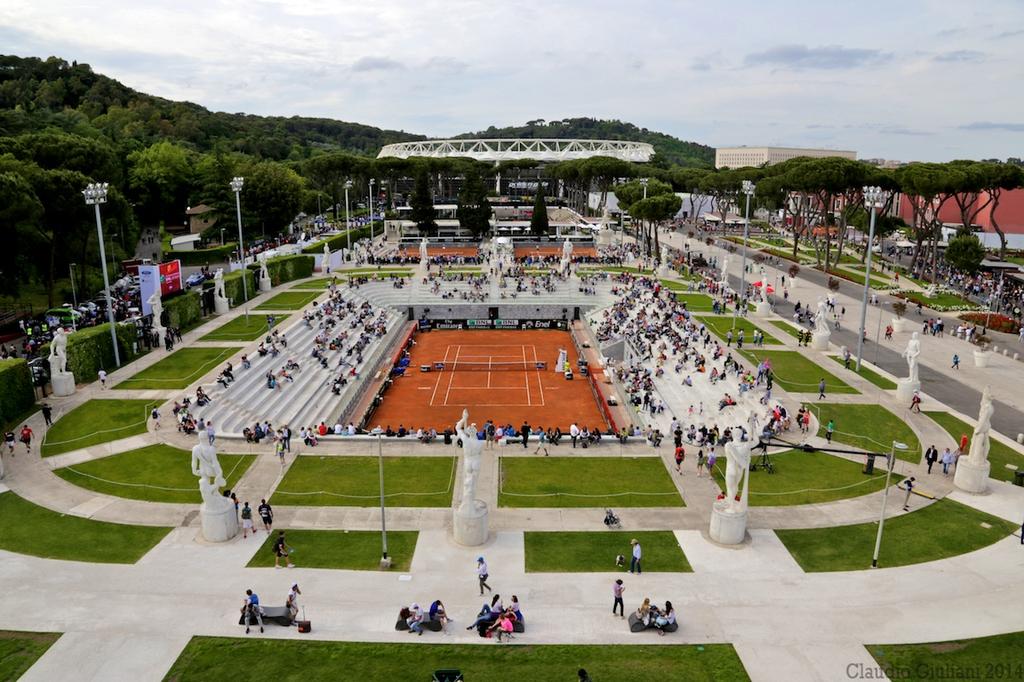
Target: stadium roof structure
<point>514,149</point>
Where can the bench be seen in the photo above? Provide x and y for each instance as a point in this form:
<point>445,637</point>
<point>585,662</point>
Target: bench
<point>637,625</point>
<point>432,625</point>
<point>271,614</point>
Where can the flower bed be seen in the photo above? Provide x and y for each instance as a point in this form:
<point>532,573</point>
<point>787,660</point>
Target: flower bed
<point>943,302</point>
<point>995,322</point>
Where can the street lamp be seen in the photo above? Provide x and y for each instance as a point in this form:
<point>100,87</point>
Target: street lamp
<point>348,226</point>
<point>896,445</point>
<point>385,562</point>
<point>874,198</point>
<point>372,183</point>
<point>748,189</point>
<point>878,329</point>
<point>236,186</point>
<point>95,193</point>
<point>222,236</point>
<point>71,272</point>
<point>643,183</point>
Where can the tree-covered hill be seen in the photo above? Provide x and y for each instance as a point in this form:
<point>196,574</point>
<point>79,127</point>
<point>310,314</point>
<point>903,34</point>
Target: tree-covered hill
<point>671,150</point>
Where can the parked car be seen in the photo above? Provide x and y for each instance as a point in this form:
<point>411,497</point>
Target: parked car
<point>194,280</point>
<point>67,316</point>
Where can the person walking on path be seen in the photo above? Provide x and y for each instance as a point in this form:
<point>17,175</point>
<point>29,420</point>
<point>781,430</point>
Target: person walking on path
<point>931,456</point>
<point>524,431</point>
<point>247,521</point>
<point>279,448</point>
<point>634,563</point>
<point>908,485</point>
<point>680,456</point>
<point>617,590</point>
<point>915,402</point>
<point>830,429</point>
<point>102,374</point>
<point>821,389</point>
<point>47,414</point>
<point>266,515</point>
<point>956,362</point>
<point>26,438</point>
<point>947,459</point>
<point>281,551</point>
<point>155,416</point>
<point>482,575</point>
<point>701,460</point>
<point>211,435</point>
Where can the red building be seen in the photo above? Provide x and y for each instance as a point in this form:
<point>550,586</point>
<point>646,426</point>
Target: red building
<point>1009,215</point>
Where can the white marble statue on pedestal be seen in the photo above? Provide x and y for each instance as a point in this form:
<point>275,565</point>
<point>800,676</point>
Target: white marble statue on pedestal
<point>220,298</point>
<point>424,258</point>
<point>567,249</point>
<point>326,266</point>
<point>821,317</point>
<point>764,285</point>
<point>470,517</point>
<point>220,521</point>
<point>61,380</point>
<point>931,291</point>
<point>265,284</point>
<point>911,353</point>
<point>729,515</point>
<point>157,306</point>
<point>724,281</point>
<point>972,471</point>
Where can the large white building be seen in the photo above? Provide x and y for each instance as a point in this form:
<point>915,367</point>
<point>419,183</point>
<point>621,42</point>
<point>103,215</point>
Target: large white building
<point>738,157</point>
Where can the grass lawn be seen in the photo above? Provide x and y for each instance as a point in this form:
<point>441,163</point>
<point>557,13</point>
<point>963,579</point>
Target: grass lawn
<point>995,657</point>
<point>239,329</point>
<point>787,327</point>
<point>797,374</point>
<point>180,368</point>
<point>586,482</point>
<point>342,549</point>
<point>43,533</point>
<point>696,303</point>
<point>721,324</point>
<point>999,454</point>
<point>807,478</point>
<point>940,530</point>
<point>78,428</point>
<point>585,552</point>
<point>868,373</point>
<point>857,275</point>
<point>353,482</point>
<point>283,660</point>
<point>155,473</point>
<point>941,302</point>
<point>290,300</point>
<point>868,427</point>
<point>20,650</point>
<point>632,269</point>
<point>405,272</point>
<point>317,284</point>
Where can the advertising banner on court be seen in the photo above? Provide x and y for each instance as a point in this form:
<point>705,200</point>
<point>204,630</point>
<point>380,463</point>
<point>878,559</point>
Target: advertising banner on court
<point>427,324</point>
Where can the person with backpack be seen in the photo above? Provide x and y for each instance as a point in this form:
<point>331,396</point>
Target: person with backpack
<point>247,521</point>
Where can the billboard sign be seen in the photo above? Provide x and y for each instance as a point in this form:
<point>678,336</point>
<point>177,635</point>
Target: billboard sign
<point>165,278</point>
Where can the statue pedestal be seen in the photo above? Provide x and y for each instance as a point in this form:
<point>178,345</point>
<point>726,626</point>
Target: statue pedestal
<point>220,305</point>
<point>220,524</point>
<point>265,285</point>
<point>62,384</point>
<point>470,523</point>
<point>905,389</point>
<point>664,271</point>
<point>763,309</point>
<point>728,528</point>
<point>900,324</point>
<point>161,334</point>
<point>819,340</point>
<point>971,478</point>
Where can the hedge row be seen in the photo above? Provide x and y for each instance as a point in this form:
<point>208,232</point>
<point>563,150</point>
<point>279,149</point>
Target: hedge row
<point>217,254</point>
<point>89,350</point>
<point>233,286</point>
<point>286,268</point>
<point>183,309</point>
<point>338,241</point>
<point>16,393</point>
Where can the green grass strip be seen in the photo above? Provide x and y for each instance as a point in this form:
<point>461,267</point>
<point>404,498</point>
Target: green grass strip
<point>338,549</point>
<point>1006,461</point>
<point>595,552</point>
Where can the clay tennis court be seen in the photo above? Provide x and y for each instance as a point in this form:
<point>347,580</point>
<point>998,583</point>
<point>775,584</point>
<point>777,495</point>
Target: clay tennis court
<point>542,397</point>
<point>453,251</point>
<point>524,251</point>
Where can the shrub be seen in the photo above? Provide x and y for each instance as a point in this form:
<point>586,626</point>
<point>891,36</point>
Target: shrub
<point>899,307</point>
<point>183,309</point>
<point>233,286</point>
<point>16,393</point>
<point>218,254</point>
<point>89,350</point>
<point>833,284</point>
<point>338,241</point>
<point>794,270</point>
<point>286,268</point>
<point>996,322</point>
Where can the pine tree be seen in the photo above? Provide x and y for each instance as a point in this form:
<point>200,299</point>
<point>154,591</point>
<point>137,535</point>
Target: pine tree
<point>539,221</point>
<point>422,204</point>
<point>474,209</point>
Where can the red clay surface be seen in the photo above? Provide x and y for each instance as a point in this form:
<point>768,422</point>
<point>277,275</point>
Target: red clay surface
<point>541,397</point>
<point>524,251</point>
<point>441,251</point>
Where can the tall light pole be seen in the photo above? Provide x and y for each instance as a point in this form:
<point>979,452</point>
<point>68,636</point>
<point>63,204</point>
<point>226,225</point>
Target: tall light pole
<point>874,197</point>
<point>71,272</point>
<point>385,562</point>
<point>237,183</point>
<point>370,205</point>
<point>348,225</point>
<point>896,445</point>
<point>748,189</point>
<point>95,193</point>
<point>643,183</point>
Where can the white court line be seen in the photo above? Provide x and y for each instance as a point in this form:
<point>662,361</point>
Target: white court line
<point>540,382</point>
<point>439,375</point>
<point>451,374</point>
<point>528,398</point>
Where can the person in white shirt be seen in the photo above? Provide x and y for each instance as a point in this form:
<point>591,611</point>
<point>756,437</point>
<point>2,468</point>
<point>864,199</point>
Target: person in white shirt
<point>339,429</point>
<point>482,574</point>
<point>103,377</point>
<point>574,433</point>
<point>292,602</point>
<point>351,429</point>
<point>634,563</point>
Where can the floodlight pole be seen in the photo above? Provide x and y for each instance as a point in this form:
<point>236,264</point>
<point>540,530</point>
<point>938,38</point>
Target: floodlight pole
<point>885,499</point>
<point>748,189</point>
<point>236,186</point>
<point>385,562</point>
<point>370,206</point>
<point>348,225</point>
<point>95,194</point>
<point>873,197</point>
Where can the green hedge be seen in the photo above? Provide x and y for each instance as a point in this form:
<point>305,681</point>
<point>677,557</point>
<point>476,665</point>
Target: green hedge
<point>338,241</point>
<point>183,309</point>
<point>16,393</point>
<point>233,286</point>
<point>89,350</point>
<point>287,268</point>
<point>217,254</point>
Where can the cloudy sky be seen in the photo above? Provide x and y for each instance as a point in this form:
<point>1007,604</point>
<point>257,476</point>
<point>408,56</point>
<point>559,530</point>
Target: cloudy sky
<point>909,80</point>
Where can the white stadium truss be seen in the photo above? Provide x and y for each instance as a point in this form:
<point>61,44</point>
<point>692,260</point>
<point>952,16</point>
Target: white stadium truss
<point>516,149</point>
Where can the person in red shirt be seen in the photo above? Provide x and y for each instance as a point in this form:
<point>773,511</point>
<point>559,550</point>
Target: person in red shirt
<point>26,437</point>
<point>322,429</point>
<point>963,443</point>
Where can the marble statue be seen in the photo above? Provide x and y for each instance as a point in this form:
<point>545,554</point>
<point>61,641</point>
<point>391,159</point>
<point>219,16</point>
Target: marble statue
<point>911,353</point>
<point>737,467</point>
<point>423,251</point>
<point>59,352</point>
<point>206,466</point>
<point>218,284</point>
<point>821,317</point>
<point>931,291</point>
<point>764,285</point>
<point>471,449</point>
<point>980,440</point>
<point>725,270</point>
<point>326,267</point>
<point>157,307</point>
<point>263,265</point>
<point>567,249</point>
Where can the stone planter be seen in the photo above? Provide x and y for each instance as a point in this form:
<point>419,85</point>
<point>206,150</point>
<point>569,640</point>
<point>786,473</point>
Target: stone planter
<point>900,324</point>
<point>981,358</point>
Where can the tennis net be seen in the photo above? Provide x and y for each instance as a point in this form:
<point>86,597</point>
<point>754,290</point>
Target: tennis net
<point>463,366</point>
